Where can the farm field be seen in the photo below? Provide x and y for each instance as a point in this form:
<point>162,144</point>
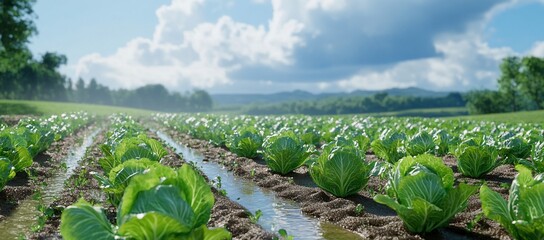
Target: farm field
<point>273,120</point>
<point>18,107</point>
<point>197,176</point>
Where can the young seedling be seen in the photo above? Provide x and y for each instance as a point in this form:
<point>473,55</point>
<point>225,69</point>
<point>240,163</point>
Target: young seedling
<point>217,183</point>
<point>284,236</point>
<point>359,209</point>
<point>63,166</point>
<point>255,217</point>
<point>470,225</point>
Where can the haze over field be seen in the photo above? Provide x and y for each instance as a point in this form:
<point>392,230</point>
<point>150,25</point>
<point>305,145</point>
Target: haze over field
<point>263,46</point>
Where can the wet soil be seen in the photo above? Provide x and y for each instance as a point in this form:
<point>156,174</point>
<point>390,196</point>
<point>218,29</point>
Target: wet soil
<point>81,184</point>
<point>225,212</point>
<point>376,221</point>
<point>45,164</point>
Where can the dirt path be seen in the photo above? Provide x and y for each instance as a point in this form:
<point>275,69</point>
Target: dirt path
<point>376,222</point>
<point>44,166</point>
<point>80,184</point>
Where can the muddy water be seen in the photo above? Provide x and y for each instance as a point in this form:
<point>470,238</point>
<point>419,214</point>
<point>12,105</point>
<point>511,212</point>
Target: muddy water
<point>23,218</point>
<point>277,213</point>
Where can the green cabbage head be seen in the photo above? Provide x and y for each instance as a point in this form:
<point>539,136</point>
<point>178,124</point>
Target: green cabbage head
<point>523,214</point>
<point>341,170</point>
<point>284,152</point>
<point>245,143</point>
<point>161,203</point>
<point>420,190</point>
<point>476,161</point>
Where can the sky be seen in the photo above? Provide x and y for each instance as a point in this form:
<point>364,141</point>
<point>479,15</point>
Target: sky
<point>267,46</point>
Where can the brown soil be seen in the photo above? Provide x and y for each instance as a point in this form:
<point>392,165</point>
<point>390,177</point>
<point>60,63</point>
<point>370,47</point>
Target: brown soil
<point>377,221</point>
<point>225,212</point>
<point>43,167</point>
<point>12,120</point>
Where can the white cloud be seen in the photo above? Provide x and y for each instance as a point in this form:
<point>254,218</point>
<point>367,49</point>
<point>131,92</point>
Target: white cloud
<point>355,44</point>
<point>187,52</point>
<point>465,62</point>
<point>537,50</point>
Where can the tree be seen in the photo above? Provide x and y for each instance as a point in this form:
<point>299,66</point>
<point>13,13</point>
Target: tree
<point>532,79</point>
<point>16,27</point>
<point>80,91</point>
<point>201,100</point>
<point>92,91</point>
<point>16,24</point>
<point>509,82</point>
<point>53,61</point>
<point>485,101</point>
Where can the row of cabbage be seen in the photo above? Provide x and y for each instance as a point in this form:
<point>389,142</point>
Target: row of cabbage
<point>21,143</point>
<point>153,201</point>
<point>420,186</point>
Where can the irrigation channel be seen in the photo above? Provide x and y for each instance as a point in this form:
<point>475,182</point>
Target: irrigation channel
<point>21,220</point>
<point>277,213</point>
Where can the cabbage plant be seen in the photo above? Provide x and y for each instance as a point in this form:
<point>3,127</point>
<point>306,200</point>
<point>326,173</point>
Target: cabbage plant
<point>476,161</point>
<point>245,143</point>
<point>420,189</point>
<point>14,148</point>
<point>37,138</point>
<point>389,146</point>
<point>284,152</point>
<point>420,143</point>
<point>6,172</point>
<point>523,214</point>
<point>537,158</point>
<point>514,149</point>
<point>309,135</point>
<point>163,203</point>
<point>131,148</point>
<point>444,142</point>
<point>119,177</point>
<point>341,170</point>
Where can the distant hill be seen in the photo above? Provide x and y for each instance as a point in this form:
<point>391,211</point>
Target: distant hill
<point>230,100</point>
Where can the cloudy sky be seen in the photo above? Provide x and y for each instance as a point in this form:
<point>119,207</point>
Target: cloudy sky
<point>264,46</point>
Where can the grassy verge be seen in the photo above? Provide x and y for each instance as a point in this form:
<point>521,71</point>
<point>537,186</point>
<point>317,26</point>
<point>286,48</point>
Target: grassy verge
<point>10,107</point>
<point>424,112</point>
<point>515,117</point>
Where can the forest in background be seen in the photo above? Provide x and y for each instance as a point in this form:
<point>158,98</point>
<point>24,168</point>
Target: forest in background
<point>521,88</point>
<point>379,102</point>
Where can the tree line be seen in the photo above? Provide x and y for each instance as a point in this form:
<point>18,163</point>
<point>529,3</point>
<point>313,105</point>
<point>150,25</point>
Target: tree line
<point>381,102</point>
<point>22,76</point>
<point>521,87</point>
<point>152,97</point>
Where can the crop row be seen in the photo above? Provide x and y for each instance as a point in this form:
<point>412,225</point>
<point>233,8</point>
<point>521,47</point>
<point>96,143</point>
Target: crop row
<point>153,201</point>
<point>420,187</point>
<point>21,143</point>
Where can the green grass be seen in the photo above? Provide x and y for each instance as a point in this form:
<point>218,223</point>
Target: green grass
<point>515,117</point>
<point>424,112</point>
<point>12,107</point>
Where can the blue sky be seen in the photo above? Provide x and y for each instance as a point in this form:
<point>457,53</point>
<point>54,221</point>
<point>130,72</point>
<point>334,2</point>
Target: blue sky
<point>264,46</point>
